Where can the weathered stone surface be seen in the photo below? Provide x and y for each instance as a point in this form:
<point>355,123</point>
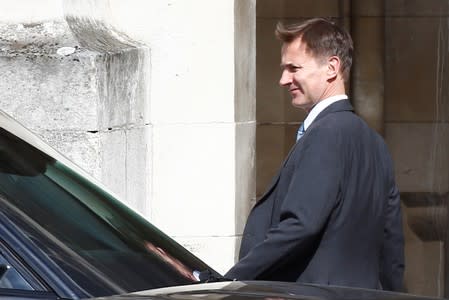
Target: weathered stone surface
<point>42,89</point>
<point>88,102</point>
<point>82,147</point>
<point>419,152</point>
<point>125,160</point>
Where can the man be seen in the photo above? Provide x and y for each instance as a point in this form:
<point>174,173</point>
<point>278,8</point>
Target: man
<point>332,215</point>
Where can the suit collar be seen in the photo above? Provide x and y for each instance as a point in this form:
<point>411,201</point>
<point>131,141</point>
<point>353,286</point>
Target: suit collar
<point>320,106</point>
<point>343,105</point>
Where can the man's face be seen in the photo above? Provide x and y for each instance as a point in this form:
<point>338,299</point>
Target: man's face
<point>304,76</point>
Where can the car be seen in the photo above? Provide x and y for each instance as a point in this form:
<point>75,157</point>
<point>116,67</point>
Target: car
<point>264,290</point>
<point>64,236</point>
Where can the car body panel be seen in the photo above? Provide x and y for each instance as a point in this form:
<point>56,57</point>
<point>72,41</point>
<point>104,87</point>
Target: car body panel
<point>264,290</point>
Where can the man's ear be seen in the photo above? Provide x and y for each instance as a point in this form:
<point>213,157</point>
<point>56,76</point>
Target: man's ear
<point>333,67</point>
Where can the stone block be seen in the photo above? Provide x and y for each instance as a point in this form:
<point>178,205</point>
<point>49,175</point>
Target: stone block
<point>41,88</point>
<point>417,8</point>
<point>420,154</point>
<point>125,160</point>
<point>367,82</point>
<point>428,223</point>
<point>113,161</point>
<point>297,9</point>
<point>245,60</point>
<point>139,167</point>
<point>245,159</point>
<point>194,179</point>
<point>414,79</point>
<point>192,65</point>
<point>367,8</point>
<point>90,105</point>
<point>81,147</point>
<point>424,261</point>
<point>122,95</point>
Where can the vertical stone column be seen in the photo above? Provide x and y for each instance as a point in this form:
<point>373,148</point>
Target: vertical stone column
<point>203,115</point>
<point>367,87</point>
<point>245,112</point>
<point>121,86</point>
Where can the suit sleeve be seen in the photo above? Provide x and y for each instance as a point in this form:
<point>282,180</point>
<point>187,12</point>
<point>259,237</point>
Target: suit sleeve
<point>392,267</point>
<point>310,198</point>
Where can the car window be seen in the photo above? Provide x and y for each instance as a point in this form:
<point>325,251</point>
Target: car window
<point>10,278</point>
<point>103,246</point>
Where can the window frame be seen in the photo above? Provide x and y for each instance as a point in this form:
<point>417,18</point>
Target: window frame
<point>16,262</point>
<point>24,294</point>
<point>15,248</point>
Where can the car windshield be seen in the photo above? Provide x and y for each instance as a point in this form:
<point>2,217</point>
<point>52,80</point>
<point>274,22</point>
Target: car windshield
<point>92,237</point>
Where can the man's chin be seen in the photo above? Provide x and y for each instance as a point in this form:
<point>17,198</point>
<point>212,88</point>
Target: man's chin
<point>298,104</point>
<point>301,105</point>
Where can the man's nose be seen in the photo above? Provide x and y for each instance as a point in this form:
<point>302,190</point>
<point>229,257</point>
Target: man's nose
<point>285,78</point>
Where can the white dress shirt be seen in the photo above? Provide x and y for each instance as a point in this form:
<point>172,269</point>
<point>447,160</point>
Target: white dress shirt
<point>319,107</point>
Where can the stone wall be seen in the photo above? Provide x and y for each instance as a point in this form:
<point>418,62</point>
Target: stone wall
<point>155,99</point>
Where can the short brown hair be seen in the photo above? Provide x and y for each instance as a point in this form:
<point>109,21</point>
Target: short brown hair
<point>323,38</point>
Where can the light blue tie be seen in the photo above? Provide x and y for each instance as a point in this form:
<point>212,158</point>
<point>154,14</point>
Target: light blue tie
<point>300,132</point>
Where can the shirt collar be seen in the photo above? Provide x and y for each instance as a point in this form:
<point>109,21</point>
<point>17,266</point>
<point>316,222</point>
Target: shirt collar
<point>319,107</point>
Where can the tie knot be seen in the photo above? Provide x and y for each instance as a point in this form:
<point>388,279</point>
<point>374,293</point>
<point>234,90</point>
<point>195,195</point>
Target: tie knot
<point>300,132</point>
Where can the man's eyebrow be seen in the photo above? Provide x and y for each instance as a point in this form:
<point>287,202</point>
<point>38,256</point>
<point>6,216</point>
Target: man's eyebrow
<point>288,65</point>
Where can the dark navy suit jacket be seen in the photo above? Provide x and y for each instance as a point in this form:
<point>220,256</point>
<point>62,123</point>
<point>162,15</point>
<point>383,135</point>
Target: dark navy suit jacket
<point>332,214</point>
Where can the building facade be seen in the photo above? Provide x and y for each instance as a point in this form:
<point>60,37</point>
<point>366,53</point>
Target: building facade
<point>175,106</point>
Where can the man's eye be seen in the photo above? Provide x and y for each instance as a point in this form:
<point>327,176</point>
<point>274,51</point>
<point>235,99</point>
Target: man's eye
<point>291,69</point>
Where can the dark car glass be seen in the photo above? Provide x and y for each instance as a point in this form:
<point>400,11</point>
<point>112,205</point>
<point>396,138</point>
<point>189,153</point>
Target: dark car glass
<point>90,235</point>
